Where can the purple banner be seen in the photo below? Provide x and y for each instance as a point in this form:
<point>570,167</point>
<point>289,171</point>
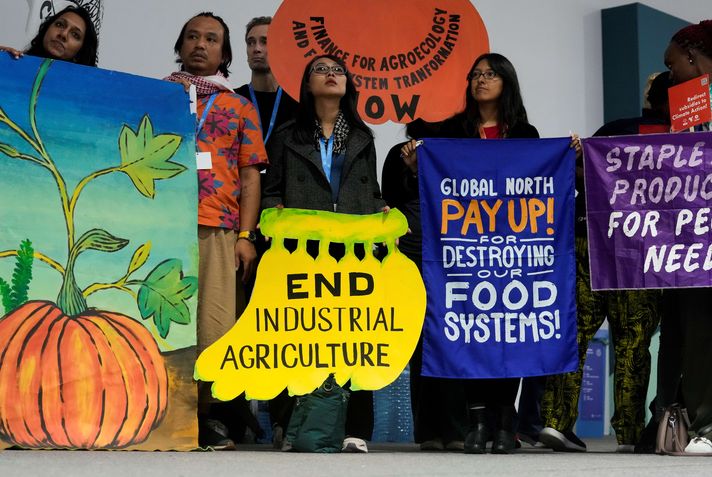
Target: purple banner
<point>648,206</point>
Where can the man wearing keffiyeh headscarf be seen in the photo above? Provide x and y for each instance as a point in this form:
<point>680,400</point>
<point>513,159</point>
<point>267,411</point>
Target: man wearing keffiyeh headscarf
<point>230,155</point>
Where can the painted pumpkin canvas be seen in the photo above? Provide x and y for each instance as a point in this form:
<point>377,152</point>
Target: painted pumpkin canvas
<point>98,258</point>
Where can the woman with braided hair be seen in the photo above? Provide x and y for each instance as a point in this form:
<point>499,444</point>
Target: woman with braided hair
<point>686,328</point>
<point>690,52</point>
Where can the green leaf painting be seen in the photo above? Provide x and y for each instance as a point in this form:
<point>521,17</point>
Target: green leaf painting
<point>145,158</point>
<point>8,150</point>
<point>163,293</point>
<point>6,293</point>
<point>139,258</point>
<point>101,240</point>
<point>15,294</point>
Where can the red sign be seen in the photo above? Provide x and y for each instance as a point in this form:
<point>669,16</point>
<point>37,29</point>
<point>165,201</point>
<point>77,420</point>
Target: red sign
<point>690,103</point>
<point>409,59</point>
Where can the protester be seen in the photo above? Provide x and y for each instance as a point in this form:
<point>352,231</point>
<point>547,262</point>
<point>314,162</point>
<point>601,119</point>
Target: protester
<point>326,160</point>
<point>633,317</point>
<point>687,320</point>
<point>68,35</point>
<point>493,110</point>
<point>275,107</point>
<point>231,154</point>
<point>438,405</point>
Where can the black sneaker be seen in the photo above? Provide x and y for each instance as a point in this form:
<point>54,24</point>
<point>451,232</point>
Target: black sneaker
<point>561,442</point>
<point>213,435</point>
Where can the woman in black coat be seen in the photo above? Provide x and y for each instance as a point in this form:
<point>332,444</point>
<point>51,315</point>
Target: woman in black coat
<point>325,159</point>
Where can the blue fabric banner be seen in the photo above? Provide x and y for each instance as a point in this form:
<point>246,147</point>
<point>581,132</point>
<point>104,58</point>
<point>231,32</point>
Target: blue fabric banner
<point>498,257</point>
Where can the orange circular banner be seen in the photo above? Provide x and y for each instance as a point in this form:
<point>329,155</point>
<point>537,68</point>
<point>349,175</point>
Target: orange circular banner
<point>409,58</point>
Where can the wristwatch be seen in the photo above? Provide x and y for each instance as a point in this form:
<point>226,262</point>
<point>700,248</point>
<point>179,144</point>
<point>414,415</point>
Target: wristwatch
<point>248,235</point>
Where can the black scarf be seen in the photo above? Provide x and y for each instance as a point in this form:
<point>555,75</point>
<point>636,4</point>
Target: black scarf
<point>340,134</point>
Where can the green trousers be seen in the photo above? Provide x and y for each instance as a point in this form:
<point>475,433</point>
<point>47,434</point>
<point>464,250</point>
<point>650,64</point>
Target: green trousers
<point>633,317</point>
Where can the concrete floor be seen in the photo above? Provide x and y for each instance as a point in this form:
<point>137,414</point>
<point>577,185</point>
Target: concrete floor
<point>383,460</point>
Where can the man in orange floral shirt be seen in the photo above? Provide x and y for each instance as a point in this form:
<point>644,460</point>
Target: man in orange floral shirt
<point>230,154</point>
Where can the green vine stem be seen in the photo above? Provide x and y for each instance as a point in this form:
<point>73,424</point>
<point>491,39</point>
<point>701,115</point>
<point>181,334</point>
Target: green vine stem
<point>37,144</point>
<point>84,182</point>
<point>121,284</point>
<point>11,124</point>
<point>39,256</point>
<point>70,299</point>
<point>44,67</point>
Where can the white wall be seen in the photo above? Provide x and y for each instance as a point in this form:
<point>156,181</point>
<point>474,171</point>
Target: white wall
<point>554,44</point>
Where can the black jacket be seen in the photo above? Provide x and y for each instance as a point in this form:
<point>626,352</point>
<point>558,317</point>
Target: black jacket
<point>296,178</point>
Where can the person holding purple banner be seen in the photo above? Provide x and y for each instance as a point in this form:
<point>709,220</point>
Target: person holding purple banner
<point>633,316</point>
<point>494,109</point>
<point>686,330</point>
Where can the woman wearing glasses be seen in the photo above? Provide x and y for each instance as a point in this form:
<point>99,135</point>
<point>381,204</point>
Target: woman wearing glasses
<point>493,110</point>
<point>325,159</point>
<point>493,103</point>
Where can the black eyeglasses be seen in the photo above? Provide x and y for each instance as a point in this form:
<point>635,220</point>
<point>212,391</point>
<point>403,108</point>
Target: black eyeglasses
<point>489,75</point>
<point>324,69</point>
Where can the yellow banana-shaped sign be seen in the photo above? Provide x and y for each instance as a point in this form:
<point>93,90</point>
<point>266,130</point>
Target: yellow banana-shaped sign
<point>357,317</point>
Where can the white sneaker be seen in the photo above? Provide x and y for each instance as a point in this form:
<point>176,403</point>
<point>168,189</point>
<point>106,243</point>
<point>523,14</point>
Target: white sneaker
<point>625,449</point>
<point>699,445</point>
<point>354,444</point>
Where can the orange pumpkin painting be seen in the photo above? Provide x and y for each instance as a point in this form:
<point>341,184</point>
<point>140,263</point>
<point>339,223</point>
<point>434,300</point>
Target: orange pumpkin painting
<point>72,375</point>
<point>408,58</point>
<point>114,398</point>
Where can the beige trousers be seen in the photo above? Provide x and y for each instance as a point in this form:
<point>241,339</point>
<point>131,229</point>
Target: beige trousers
<point>221,297</point>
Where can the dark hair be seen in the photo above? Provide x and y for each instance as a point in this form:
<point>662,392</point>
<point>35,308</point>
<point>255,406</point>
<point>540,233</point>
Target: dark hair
<point>510,108</point>
<point>226,48</point>
<point>255,22</point>
<point>86,54</point>
<point>418,128</point>
<point>658,92</point>
<point>306,113</point>
<point>697,37</point>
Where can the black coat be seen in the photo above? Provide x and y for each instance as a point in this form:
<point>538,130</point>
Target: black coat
<point>456,127</point>
<point>296,177</point>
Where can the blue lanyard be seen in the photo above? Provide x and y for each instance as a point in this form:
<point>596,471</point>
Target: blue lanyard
<point>205,113</point>
<point>327,152</point>
<point>275,108</point>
